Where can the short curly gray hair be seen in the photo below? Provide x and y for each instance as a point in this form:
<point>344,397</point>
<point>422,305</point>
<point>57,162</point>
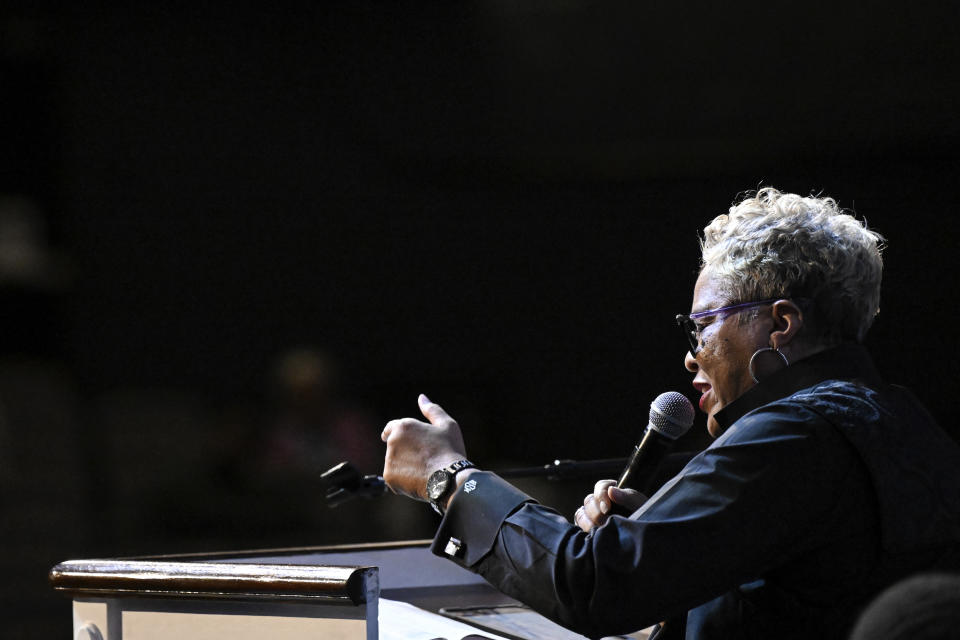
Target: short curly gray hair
<point>781,245</point>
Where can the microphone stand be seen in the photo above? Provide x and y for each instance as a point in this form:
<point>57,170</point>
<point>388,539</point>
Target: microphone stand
<point>569,469</point>
<point>344,482</point>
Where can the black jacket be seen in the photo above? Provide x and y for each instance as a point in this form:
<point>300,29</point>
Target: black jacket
<point>827,486</point>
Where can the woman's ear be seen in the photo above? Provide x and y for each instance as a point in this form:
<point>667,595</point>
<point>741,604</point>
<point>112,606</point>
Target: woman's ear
<point>787,322</point>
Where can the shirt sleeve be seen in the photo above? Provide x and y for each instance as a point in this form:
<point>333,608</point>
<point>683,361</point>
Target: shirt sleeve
<point>748,503</point>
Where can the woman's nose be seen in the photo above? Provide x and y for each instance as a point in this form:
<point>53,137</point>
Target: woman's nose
<point>690,363</point>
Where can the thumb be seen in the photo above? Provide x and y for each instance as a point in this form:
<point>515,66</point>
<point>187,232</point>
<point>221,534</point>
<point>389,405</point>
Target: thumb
<point>431,410</point>
<point>627,497</point>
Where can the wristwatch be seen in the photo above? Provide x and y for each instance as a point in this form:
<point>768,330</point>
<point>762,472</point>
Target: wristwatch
<point>441,483</point>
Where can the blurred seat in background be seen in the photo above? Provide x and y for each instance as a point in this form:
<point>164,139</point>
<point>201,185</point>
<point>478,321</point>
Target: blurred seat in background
<point>922,607</point>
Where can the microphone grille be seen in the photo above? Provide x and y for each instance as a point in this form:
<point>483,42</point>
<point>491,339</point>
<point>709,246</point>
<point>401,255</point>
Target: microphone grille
<point>671,414</point>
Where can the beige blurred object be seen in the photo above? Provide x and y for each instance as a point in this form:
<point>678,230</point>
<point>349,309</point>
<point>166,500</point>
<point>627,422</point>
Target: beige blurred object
<point>26,260</point>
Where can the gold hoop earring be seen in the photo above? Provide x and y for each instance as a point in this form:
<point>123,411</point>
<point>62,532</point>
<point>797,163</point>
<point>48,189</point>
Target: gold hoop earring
<point>753,374</point>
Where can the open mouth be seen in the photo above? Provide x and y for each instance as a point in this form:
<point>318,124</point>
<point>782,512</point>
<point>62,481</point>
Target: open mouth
<point>704,390</point>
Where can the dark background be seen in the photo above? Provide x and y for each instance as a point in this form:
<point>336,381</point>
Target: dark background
<point>496,204</point>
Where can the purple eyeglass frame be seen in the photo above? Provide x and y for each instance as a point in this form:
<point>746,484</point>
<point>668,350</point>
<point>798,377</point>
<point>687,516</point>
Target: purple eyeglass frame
<point>690,329</point>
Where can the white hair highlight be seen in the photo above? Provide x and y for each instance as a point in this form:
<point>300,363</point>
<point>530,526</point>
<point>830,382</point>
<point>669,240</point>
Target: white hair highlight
<point>782,245</point>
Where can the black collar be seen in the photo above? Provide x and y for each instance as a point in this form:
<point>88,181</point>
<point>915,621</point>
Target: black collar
<point>847,361</point>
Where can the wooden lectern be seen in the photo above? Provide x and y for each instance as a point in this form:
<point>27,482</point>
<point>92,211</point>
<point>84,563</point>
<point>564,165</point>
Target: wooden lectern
<point>321,592</point>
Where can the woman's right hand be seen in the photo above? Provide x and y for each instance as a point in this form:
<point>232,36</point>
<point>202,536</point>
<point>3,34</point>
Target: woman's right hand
<point>597,506</point>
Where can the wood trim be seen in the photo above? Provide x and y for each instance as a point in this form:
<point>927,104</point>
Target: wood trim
<point>242,581</point>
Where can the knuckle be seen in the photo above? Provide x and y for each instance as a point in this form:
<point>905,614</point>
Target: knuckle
<point>601,487</point>
<point>590,511</point>
<point>402,426</point>
<point>392,427</point>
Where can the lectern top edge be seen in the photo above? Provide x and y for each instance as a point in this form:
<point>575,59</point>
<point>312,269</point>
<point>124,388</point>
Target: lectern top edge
<point>221,580</point>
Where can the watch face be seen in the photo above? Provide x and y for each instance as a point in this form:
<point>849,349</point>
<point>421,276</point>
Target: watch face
<point>437,484</point>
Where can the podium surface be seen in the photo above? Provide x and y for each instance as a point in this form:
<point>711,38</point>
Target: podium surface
<point>319,592</point>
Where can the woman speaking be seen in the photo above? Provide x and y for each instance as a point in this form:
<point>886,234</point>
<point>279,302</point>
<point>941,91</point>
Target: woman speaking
<point>823,486</point>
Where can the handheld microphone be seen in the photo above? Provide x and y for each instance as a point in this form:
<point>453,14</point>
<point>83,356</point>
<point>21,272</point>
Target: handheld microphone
<point>671,416</point>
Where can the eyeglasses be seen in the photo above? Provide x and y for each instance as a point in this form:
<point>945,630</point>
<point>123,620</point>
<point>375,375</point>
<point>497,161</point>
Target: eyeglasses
<point>692,330</point>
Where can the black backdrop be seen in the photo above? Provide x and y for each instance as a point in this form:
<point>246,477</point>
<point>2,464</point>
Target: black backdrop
<point>496,204</point>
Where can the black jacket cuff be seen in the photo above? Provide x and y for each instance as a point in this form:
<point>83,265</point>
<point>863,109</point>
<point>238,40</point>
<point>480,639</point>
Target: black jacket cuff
<point>477,510</point>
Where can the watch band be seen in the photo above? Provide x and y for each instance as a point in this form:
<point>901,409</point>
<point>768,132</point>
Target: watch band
<point>456,467</point>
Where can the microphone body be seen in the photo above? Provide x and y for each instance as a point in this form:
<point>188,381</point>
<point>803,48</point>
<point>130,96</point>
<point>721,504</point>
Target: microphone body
<point>671,416</point>
<point>645,461</point>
